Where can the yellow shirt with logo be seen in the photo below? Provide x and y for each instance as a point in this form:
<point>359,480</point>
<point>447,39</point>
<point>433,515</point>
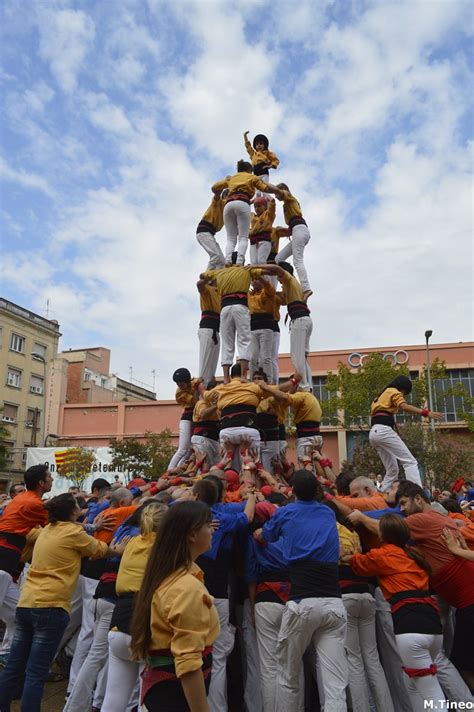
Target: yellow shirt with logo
<point>305,406</point>
<point>389,401</point>
<point>235,393</point>
<point>232,280</point>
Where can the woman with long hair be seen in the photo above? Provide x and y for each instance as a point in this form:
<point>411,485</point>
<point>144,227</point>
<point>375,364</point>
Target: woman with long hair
<point>403,576</point>
<point>123,671</point>
<point>44,606</point>
<point>175,622</point>
<point>383,436</point>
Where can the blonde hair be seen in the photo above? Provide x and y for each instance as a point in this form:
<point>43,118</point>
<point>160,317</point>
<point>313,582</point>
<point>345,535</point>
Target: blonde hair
<point>152,514</point>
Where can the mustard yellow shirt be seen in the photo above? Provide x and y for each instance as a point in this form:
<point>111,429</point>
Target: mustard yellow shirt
<point>292,289</point>
<point>291,207</point>
<point>209,299</point>
<point>215,214</point>
<point>184,619</point>
<point>56,563</point>
<point>235,393</point>
<point>188,396</point>
<point>349,542</point>
<point>390,401</point>
<point>263,222</point>
<point>241,182</point>
<point>261,156</point>
<point>275,406</point>
<point>230,280</point>
<point>305,406</point>
<point>133,563</point>
<point>198,409</point>
<point>263,302</point>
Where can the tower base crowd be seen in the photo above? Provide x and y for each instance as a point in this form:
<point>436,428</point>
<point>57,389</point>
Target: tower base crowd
<point>237,580</point>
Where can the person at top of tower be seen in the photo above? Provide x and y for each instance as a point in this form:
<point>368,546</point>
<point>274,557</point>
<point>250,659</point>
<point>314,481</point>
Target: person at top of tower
<point>242,186</point>
<point>262,159</point>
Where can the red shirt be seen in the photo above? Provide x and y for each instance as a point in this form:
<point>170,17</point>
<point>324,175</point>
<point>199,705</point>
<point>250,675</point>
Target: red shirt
<point>426,529</point>
<point>24,512</point>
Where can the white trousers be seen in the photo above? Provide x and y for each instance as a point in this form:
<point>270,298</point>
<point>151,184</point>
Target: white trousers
<point>300,237</point>
<point>210,244</point>
<point>207,446</point>
<point>275,350</point>
<point>259,252</point>
<point>86,634</point>
<point>184,444</point>
<point>262,351</point>
<point>362,655</point>
<point>322,622</point>
<point>235,323</point>
<point>208,354</point>
<point>314,441</point>
<point>300,334</point>
<point>267,623</point>
<point>235,435</point>
<point>222,648</point>
<point>9,594</point>
<point>123,674</point>
<point>252,677</point>
<point>269,450</point>
<point>391,449</point>
<point>237,226</point>
<point>96,659</point>
<point>418,651</point>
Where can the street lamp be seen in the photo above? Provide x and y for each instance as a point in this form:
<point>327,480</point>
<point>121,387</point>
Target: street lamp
<point>429,333</point>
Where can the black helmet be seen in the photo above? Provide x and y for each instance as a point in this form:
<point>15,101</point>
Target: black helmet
<point>260,138</point>
<point>181,375</point>
<point>402,383</point>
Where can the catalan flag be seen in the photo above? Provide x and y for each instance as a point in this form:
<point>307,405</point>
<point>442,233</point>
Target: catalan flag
<point>61,456</point>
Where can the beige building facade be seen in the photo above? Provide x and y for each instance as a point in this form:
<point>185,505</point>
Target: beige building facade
<point>28,345</point>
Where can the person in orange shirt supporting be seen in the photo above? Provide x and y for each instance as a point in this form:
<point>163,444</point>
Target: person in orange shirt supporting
<point>23,513</point>
<point>363,496</point>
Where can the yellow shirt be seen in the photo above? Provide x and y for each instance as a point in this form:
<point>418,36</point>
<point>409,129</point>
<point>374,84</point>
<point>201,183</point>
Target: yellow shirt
<point>241,182</point>
<point>133,563</point>
<point>56,563</point>
<point>235,393</point>
<point>292,289</point>
<point>263,302</point>
<point>215,214</point>
<point>349,542</point>
<point>264,156</point>
<point>291,207</point>
<point>209,298</point>
<point>279,300</point>
<point>183,619</point>
<point>263,222</point>
<point>390,401</point>
<point>198,409</point>
<point>230,280</point>
<point>305,406</point>
<point>187,397</point>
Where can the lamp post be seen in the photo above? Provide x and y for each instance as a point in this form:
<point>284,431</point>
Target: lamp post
<point>429,333</point>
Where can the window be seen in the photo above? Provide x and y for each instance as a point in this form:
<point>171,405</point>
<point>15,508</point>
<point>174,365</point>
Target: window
<point>14,377</point>
<point>23,455</point>
<point>37,385</point>
<point>87,375</point>
<point>9,413</point>
<point>450,404</point>
<point>319,390</point>
<point>39,349</point>
<point>10,454</point>
<point>30,418</point>
<point>17,343</point>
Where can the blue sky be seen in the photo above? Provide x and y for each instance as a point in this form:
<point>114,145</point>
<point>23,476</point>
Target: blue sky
<point>118,116</point>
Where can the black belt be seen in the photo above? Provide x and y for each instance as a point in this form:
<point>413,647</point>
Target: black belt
<point>205,226</point>
<point>234,298</point>
<point>207,429</point>
<point>383,418</point>
<point>297,309</point>
<point>260,237</point>
<point>244,197</point>
<point>211,320</point>
<point>307,428</point>
<point>234,416</point>
<point>261,169</point>
<point>261,320</point>
<point>187,414</point>
<point>296,220</point>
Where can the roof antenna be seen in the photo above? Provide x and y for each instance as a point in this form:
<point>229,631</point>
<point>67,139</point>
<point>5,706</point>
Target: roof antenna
<point>47,308</point>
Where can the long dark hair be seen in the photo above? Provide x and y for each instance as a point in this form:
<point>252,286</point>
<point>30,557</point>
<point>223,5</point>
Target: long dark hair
<point>170,553</point>
<point>394,530</point>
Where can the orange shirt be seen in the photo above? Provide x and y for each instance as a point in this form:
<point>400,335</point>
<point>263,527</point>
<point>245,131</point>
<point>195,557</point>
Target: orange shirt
<point>364,504</point>
<point>426,529</point>
<point>116,517</point>
<point>395,570</point>
<point>24,512</point>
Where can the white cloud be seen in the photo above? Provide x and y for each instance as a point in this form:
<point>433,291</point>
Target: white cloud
<point>65,36</point>
<point>25,179</point>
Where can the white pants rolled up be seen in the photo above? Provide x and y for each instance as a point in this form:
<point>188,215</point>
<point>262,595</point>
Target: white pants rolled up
<point>391,449</point>
<point>267,624</point>
<point>208,447</point>
<point>210,244</point>
<point>184,444</point>
<point>300,236</point>
<point>222,648</point>
<point>208,353</point>
<point>237,217</point>
<point>235,325</point>
<point>261,341</point>
<point>300,335</point>
<point>122,679</point>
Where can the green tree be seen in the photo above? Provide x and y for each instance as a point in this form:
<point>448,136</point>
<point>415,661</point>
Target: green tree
<point>148,457</point>
<point>77,465</point>
<point>466,413</point>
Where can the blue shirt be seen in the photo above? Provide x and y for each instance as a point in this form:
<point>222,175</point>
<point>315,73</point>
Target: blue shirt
<point>229,522</point>
<point>308,530</point>
<point>377,513</point>
<point>260,559</point>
